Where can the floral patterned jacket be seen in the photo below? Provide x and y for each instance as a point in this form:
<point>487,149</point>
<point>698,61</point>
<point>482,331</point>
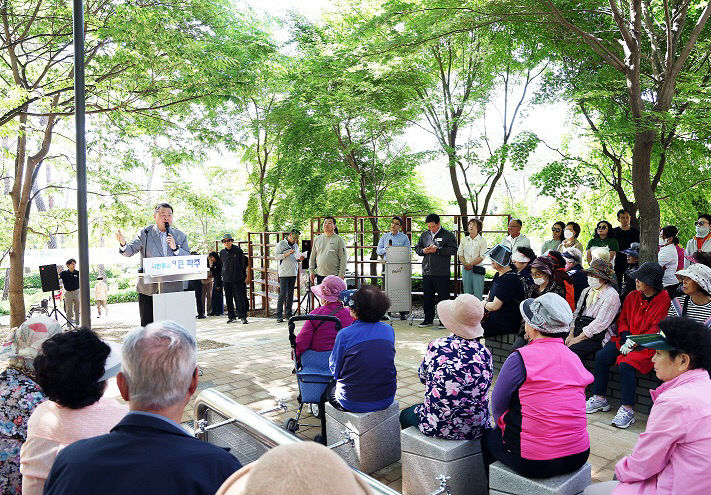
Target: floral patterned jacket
<point>19,396</point>
<point>457,375</point>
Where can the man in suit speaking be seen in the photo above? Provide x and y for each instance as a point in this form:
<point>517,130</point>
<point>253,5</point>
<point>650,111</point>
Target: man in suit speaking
<point>147,452</point>
<point>154,241</point>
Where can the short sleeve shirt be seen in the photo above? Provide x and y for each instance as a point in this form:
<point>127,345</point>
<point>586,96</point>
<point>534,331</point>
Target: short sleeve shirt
<point>608,242</point>
<point>509,289</point>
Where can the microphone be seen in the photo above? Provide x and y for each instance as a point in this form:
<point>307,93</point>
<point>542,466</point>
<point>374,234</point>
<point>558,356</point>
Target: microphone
<point>390,242</point>
<point>167,228</point>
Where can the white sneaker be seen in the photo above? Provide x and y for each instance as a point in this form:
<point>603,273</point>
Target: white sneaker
<point>594,405</point>
<point>624,418</point>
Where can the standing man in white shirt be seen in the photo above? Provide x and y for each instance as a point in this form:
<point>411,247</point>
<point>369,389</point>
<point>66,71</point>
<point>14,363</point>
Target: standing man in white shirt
<point>515,238</point>
<point>288,254</point>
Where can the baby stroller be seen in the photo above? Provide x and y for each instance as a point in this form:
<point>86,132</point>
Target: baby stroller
<point>313,375</point>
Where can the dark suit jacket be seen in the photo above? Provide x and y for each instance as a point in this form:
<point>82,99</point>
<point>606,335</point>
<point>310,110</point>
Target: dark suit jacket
<point>437,264</point>
<point>141,455</point>
<point>149,245</point>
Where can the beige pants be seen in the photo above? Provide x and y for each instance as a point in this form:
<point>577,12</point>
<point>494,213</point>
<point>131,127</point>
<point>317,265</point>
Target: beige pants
<point>71,305</point>
<point>99,304</point>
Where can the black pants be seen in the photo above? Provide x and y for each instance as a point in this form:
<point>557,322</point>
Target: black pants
<point>319,278</point>
<point>236,295</point>
<point>145,309</point>
<point>494,449</point>
<point>218,303</point>
<point>329,395</point>
<point>285,302</point>
<point>586,348</point>
<point>196,287</point>
<point>432,284</point>
<point>606,357</point>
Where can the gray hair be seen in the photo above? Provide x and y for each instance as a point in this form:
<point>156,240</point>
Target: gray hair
<point>158,363</point>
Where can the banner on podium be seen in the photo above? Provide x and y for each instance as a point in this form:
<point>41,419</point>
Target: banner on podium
<point>174,265</point>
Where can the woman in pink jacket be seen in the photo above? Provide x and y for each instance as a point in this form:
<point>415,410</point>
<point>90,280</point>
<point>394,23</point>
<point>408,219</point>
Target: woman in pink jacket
<point>673,455</point>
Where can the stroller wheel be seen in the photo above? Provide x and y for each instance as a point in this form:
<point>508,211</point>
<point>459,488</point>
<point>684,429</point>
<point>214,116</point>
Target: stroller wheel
<point>291,425</point>
<point>315,410</point>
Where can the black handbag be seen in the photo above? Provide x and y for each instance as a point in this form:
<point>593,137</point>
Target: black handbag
<point>583,321</point>
<point>478,270</point>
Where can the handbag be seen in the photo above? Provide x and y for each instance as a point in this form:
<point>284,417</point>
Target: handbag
<point>583,321</point>
<point>478,270</point>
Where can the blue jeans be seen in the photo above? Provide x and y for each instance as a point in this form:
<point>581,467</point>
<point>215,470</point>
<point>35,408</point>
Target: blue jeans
<point>473,283</point>
<point>605,358</point>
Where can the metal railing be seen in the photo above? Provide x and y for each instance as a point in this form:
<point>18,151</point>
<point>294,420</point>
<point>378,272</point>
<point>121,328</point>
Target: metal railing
<point>221,421</point>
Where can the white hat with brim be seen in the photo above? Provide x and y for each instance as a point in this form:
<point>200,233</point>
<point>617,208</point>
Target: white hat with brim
<point>701,274</point>
<point>113,361</point>
<point>462,316</point>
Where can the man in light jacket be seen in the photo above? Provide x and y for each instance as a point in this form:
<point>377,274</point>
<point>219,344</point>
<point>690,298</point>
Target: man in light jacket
<point>328,253</point>
<point>288,255</point>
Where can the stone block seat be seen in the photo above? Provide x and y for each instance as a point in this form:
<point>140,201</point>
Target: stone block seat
<point>505,481</point>
<point>500,347</point>
<point>376,434</point>
<point>425,458</point>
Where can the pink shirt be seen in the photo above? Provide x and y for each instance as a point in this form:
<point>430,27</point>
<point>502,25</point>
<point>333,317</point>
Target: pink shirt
<point>552,401</point>
<point>325,336</point>
<point>672,455</point>
<point>52,427</point>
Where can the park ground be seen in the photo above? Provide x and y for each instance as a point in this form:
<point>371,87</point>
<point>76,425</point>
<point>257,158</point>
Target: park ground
<point>251,364</point>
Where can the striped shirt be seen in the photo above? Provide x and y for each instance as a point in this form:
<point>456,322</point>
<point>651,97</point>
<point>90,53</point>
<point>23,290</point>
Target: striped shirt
<point>700,313</point>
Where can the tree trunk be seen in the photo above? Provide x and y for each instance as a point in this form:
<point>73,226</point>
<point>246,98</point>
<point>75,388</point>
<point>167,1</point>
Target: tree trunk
<point>644,194</point>
<point>17,266</point>
<point>6,284</point>
<point>461,200</point>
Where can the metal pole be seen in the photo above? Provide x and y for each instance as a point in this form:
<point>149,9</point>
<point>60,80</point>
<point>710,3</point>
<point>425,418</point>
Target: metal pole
<point>79,107</point>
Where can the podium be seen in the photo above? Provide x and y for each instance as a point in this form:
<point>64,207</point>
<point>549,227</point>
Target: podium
<point>398,278</point>
<point>168,304</point>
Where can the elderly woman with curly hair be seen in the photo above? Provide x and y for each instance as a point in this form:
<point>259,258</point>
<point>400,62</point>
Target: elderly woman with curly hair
<point>19,395</point>
<point>72,369</point>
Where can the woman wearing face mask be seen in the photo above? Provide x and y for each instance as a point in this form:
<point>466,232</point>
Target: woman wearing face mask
<point>552,244</point>
<point>573,259</point>
<point>596,311</point>
<point>570,237</point>
<point>702,240</point>
<point>603,238</point>
<point>522,259</point>
<point>668,258</point>
<point>627,283</point>
<point>543,282</point>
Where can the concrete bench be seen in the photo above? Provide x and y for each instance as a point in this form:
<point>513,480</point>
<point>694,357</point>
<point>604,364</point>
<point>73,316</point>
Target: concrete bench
<point>504,481</point>
<point>425,458</point>
<point>376,435</point>
<point>500,347</point>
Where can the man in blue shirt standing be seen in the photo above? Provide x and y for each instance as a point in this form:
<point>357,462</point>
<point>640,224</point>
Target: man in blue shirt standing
<point>393,238</point>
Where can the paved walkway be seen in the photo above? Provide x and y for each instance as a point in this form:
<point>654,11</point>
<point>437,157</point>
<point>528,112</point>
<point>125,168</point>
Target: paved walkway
<point>251,364</point>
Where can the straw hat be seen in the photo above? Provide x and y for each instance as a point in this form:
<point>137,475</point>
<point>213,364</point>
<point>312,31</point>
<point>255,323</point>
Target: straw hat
<point>462,316</point>
<point>603,269</point>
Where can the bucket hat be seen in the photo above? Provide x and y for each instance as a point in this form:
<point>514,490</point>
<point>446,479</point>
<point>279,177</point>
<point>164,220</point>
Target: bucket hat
<point>548,313</point>
<point>651,273</point>
<point>603,269</point>
<point>113,361</point>
<point>462,316</point>
<point>330,288</point>
<point>701,274</point>
<point>500,254</point>
<point>346,297</point>
<point>544,264</point>
<point>227,237</point>
<point>573,254</point>
<point>633,250</point>
<point>24,342</point>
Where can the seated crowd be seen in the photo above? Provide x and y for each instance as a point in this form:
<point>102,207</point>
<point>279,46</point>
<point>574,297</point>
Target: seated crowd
<point>59,435</point>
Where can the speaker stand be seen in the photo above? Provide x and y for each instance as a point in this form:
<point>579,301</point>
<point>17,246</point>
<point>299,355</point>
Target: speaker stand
<point>56,312</point>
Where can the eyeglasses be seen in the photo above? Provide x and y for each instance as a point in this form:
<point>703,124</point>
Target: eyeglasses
<point>555,229</point>
<point>700,223</point>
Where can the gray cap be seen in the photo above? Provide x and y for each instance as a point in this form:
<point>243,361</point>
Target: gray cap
<point>227,237</point>
<point>548,313</point>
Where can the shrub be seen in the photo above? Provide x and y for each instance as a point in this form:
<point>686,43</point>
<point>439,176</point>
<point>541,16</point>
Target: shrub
<point>124,296</point>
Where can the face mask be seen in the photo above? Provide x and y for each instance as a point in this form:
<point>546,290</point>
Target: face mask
<point>539,280</point>
<point>662,242</point>
<point>568,234</point>
<point>569,266</point>
<point>594,283</point>
<point>702,230</point>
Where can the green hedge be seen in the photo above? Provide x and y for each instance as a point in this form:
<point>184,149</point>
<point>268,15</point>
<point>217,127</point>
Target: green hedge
<point>123,296</point>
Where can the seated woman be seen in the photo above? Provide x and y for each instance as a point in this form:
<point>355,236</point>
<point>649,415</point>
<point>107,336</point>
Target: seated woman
<point>642,311</point>
<point>19,394</point>
<point>502,315</point>
<point>457,372</point>
<point>671,456</point>
<point>596,311</point>
<point>696,302</point>
<point>363,357</point>
<point>72,369</point>
<point>522,259</point>
<point>627,284</point>
<point>542,273</point>
<point>538,402</point>
<point>562,278</point>
<point>321,335</point>
<point>573,266</point>
<point>570,237</point>
<point>556,240</point>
